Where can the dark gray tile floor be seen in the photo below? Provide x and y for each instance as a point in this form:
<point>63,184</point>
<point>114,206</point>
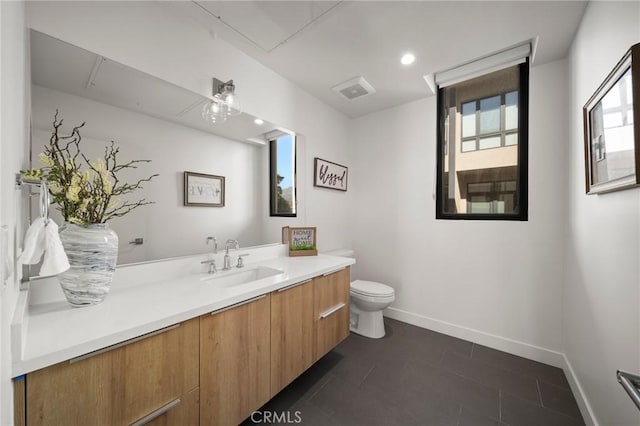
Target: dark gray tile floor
<point>415,376</point>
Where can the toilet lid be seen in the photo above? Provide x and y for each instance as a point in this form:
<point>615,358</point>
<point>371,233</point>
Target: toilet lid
<point>371,288</point>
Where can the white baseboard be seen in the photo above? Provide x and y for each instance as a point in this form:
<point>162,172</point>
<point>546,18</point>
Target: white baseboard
<point>500,343</point>
<point>515,347</point>
<point>583,403</point>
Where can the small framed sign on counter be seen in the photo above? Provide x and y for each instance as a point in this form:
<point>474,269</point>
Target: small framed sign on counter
<point>301,241</point>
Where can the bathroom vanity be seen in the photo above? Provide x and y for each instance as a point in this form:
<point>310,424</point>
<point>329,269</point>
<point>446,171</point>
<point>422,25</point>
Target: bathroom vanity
<point>184,350</point>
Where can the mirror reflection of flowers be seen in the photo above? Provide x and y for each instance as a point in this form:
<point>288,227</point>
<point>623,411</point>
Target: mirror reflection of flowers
<point>86,191</point>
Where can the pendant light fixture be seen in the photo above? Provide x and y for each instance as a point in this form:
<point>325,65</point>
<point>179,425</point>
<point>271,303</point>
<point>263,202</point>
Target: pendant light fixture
<point>223,104</point>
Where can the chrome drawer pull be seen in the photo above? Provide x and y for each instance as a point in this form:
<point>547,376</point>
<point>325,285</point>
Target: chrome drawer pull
<point>121,344</point>
<point>332,311</point>
<point>293,285</point>
<point>238,304</point>
<point>333,272</point>
<point>155,414</point>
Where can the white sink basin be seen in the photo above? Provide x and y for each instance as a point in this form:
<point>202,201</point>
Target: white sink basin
<point>241,276</point>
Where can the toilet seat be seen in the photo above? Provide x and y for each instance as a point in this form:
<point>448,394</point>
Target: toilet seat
<point>371,289</point>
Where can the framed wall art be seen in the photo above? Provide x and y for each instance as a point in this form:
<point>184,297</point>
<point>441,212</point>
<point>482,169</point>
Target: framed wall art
<point>203,190</point>
<point>330,175</point>
<point>612,130</point>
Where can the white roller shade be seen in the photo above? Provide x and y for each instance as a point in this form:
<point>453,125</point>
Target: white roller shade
<point>275,134</point>
<point>497,61</point>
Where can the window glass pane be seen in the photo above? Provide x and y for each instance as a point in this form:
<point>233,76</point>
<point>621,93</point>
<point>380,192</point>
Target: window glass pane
<point>481,177</point>
<point>479,204</point>
<point>480,187</point>
<point>630,117</point>
<point>469,145</point>
<point>490,114</point>
<point>283,184</point>
<point>612,98</point>
<point>511,111</point>
<point>468,119</point>
<point>505,186</point>
<point>491,142</point>
<point>511,139</point>
<point>613,119</point>
<point>506,202</point>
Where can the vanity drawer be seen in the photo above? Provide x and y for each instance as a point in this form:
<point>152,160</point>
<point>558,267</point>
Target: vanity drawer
<point>118,385</point>
<point>331,310</point>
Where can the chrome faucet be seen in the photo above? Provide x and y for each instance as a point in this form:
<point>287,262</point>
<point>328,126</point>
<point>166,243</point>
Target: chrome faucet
<point>240,260</point>
<point>212,265</point>
<point>227,259</point>
<point>215,244</point>
<point>212,262</point>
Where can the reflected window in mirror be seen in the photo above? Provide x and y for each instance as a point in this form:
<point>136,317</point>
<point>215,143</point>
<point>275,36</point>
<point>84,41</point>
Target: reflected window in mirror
<point>282,174</point>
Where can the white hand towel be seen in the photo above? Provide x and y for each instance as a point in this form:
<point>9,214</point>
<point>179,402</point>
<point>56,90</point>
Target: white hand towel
<point>55,259</point>
<point>34,243</point>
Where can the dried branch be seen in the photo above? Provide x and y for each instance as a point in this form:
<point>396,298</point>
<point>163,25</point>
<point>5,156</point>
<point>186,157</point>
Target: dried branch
<point>85,196</point>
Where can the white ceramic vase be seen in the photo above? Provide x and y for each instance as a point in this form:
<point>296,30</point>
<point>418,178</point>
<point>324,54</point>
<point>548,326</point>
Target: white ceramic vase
<point>93,252</point>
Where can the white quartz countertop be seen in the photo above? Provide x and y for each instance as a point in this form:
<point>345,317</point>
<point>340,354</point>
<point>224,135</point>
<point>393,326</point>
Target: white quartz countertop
<point>48,332</point>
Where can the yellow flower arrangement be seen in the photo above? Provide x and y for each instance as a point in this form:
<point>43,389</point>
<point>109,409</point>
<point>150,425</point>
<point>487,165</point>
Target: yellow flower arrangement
<point>89,195</point>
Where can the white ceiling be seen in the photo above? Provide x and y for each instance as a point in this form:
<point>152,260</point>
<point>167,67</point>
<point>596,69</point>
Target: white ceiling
<point>319,44</point>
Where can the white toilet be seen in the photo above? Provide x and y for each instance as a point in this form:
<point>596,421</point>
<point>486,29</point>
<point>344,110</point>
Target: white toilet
<point>368,300</point>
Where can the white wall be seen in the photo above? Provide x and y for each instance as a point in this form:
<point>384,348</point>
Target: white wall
<point>168,228</point>
<point>14,92</point>
<point>602,292</point>
<point>488,281</point>
<point>162,39</point>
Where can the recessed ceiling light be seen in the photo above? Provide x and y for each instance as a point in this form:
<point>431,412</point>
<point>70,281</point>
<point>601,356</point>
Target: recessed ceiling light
<point>259,121</point>
<point>407,59</point>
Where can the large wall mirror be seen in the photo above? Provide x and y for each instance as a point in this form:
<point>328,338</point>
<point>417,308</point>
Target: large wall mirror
<point>152,119</point>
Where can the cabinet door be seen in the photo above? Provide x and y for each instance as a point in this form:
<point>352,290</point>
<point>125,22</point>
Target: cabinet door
<point>234,358</point>
<point>292,338</point>
<point>331,300</point>
<point>116,386</point>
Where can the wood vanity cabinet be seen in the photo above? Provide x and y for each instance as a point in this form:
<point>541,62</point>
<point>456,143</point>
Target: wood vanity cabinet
<point>292,333</point>
<point>212,370</point>
<point>308,319</point>
<point>235,362</point>
<point>121,384</point>
<point>331,310</point>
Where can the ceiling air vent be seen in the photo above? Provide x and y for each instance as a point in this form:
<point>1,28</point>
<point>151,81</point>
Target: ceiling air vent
<point>355,88</point>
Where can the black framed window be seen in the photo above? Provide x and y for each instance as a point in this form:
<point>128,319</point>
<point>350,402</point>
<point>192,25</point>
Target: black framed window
<point>282,175</point>
<point>482,147</point>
